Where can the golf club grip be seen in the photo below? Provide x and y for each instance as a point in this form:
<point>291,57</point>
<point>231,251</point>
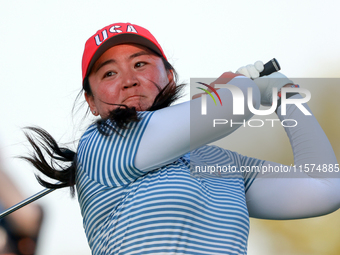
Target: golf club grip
<point>270,67</point>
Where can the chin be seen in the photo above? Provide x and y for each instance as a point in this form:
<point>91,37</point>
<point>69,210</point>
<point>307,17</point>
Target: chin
<point>140,106</point>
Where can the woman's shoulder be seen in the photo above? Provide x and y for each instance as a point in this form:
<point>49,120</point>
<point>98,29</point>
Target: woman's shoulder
<point>104,133</point>
<point>92,128</point>
<point>108,128</point>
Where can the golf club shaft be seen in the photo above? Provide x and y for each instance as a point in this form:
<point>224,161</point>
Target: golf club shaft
<point>25,202</point>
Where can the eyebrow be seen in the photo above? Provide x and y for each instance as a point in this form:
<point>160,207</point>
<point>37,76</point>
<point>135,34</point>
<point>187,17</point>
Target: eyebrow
<point>111,61</point>
<point>140,53</point>
<point>104,63</point>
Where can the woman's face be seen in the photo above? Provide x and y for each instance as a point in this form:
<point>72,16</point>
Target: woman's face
<point>126,74</point>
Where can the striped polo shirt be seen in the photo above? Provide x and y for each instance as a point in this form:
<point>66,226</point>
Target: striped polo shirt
<point>179,208</point>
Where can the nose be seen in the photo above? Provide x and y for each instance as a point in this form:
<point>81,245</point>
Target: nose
<point>129,80</point>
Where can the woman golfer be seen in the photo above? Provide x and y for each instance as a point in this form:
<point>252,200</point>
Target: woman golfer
<point>132,167</point>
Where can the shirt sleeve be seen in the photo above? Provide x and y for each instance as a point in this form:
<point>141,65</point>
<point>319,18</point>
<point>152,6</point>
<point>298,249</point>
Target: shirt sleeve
<point>109,159</point>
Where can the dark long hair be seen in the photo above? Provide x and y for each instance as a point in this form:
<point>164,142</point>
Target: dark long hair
<point>62,163</point>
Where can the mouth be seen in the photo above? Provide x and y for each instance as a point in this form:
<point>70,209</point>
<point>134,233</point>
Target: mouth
<point>132,97</point>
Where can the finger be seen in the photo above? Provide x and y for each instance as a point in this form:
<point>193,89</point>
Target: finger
<point>259,66</point>
<point>244,71</point>
<point>253,71</point>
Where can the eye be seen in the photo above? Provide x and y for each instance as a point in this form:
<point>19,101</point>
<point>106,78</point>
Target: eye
<point>140,64</point>
<point>108,74</point>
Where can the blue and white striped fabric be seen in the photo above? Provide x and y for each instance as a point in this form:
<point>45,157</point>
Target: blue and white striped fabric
<point>163,211</point>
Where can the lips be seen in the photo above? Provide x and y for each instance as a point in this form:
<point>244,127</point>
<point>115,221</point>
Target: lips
<point>132,97</point>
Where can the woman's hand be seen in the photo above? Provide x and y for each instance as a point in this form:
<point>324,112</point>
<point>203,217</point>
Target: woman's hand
<point>265,83</point>
<point>252,71</point>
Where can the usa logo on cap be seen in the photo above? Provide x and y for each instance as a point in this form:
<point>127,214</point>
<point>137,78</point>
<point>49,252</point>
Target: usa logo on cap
<point>115,34</point>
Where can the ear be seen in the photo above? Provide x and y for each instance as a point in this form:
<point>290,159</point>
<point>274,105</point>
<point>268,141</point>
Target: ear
<point>170,76</point>
<point>92,105</point>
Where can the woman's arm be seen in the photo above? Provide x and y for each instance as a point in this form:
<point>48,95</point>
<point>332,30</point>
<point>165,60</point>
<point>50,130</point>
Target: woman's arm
<point>175,130</point>
<point>298,194</point>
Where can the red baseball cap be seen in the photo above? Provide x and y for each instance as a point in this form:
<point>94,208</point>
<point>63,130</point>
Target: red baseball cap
<point>112,35</point>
